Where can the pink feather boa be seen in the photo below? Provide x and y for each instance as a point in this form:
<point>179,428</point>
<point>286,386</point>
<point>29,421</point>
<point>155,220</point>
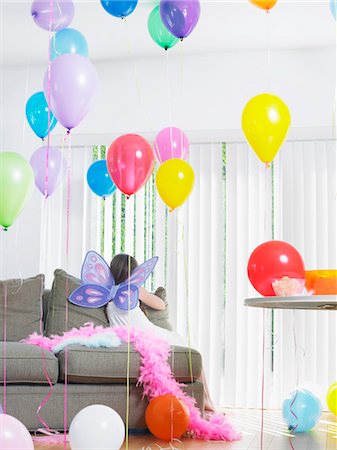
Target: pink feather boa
<point>155,375</point>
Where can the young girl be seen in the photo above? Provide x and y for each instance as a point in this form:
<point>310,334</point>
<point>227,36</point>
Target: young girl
<point>120,269</point>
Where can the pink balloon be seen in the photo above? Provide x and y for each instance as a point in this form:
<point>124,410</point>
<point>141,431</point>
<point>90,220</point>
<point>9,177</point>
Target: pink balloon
<point>171,143</point>
<point>60,16</point>
<point>47,181</point>
<point>73,88</point>
<point>14,435</point>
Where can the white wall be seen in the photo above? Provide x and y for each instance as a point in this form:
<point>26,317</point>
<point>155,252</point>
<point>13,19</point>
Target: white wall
<point>207,94</point>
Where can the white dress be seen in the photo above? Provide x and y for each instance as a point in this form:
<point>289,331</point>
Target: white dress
<point>136,318</point>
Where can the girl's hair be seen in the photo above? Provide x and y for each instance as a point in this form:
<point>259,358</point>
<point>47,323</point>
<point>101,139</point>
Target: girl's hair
<point>120,269</point>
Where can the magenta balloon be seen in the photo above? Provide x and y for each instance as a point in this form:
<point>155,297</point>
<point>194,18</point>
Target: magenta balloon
<point>73,88</point>
<point>47,181</point>
<point>171,143</point>
<point>14,435</point>
<point>62,13</point>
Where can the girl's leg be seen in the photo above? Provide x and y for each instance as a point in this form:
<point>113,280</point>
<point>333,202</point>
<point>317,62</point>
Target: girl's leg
<point>209,406</point>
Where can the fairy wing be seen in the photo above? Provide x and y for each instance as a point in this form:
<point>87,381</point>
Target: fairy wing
<point>141,273</point>
<point>96,271</point>
<point>90,296</point>
<point>125,292</point>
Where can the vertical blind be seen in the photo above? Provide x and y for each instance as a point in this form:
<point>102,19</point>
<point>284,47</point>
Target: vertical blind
<point>203,250</point>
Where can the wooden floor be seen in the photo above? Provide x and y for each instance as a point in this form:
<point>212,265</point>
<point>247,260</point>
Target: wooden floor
<point>276,436</point>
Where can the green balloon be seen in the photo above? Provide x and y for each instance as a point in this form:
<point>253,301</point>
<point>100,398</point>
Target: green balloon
<point>16,186</point>
<point>159,32</point>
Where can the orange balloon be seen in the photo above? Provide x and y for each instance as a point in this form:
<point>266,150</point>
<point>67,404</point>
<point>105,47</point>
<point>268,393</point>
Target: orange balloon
<point>167,417</point>
<point>264,4</point>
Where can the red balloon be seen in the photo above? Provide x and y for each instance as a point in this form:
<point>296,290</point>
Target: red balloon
<point>130,162</point>
<point>272,260</point>
<point>167,417</point>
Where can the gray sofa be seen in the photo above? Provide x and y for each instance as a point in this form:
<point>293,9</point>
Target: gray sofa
<point>94,375</point>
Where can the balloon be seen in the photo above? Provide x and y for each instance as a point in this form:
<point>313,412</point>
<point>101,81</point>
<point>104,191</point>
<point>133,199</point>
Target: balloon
<point>96,427</point>
<point>264,4</point>
<point>331,398</point>
<point>315,389</point>
<point>16,186</point>
<point>273,260</point>
<point>333,8</point>
<point>47,181</point>
<point>265,122</point>
<point>119,8</point>
<point>171,143</point>
<point>180,16</point>
<point>37,115</point>
<point>130,162</point>
<point>73,88</point>
<point>167,417</point>
<point>14,435</point>
<point>158,31</point>
<point>99,179</point>
<point>175,180</point>
<point>68,40</point>
<point>61,15</point>
<point>301,411</point>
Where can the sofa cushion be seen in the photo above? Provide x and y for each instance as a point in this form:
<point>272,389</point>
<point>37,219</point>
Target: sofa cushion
<point>108,365</point>
<point>157,317</point>
<point>23,310</point>
<point>63,285</point>
<point>24,364</point>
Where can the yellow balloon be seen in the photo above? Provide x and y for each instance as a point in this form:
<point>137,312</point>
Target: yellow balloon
<point>265,122</point>
<point>175,180</point>
<point>331,398</point>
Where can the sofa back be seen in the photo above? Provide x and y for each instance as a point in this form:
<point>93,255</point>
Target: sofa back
<point>45,304</point>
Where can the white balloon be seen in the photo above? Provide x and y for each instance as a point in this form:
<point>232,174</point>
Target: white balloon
<point>96,427</point>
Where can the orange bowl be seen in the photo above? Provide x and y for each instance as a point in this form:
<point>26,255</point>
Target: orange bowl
<point>321,282</point>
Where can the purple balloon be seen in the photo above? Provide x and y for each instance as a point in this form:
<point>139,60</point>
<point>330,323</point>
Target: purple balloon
<point>56,169</point>
<point>73,88</point>
<point>62,13</point>
<point>180,16</point>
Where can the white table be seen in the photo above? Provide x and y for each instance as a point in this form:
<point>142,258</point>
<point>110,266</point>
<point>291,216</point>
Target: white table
<point>315,302</point>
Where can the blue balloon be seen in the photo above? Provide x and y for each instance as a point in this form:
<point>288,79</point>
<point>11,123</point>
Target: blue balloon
<point>68,40</point>
<point>119,8</point>
<point>37,115</point>
<point>306,407</point>
<point>99,179</point>
<point>333,8</point>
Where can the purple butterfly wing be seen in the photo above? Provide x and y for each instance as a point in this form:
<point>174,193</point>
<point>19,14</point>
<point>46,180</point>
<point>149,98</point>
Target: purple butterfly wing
<point>142,272</point>
<point>96,271</point>
<point>124,292</point>
<point>90,296</point>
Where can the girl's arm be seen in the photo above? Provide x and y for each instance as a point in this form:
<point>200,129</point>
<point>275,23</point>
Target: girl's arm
<point>151,300</point>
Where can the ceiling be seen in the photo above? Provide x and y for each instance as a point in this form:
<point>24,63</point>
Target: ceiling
<point>226,25</point>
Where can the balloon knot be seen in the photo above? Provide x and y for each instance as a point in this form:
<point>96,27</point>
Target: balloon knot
<point>42,139</point>
<point>267,165</point>
<point>5,228</point>
<point>68,131</point>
